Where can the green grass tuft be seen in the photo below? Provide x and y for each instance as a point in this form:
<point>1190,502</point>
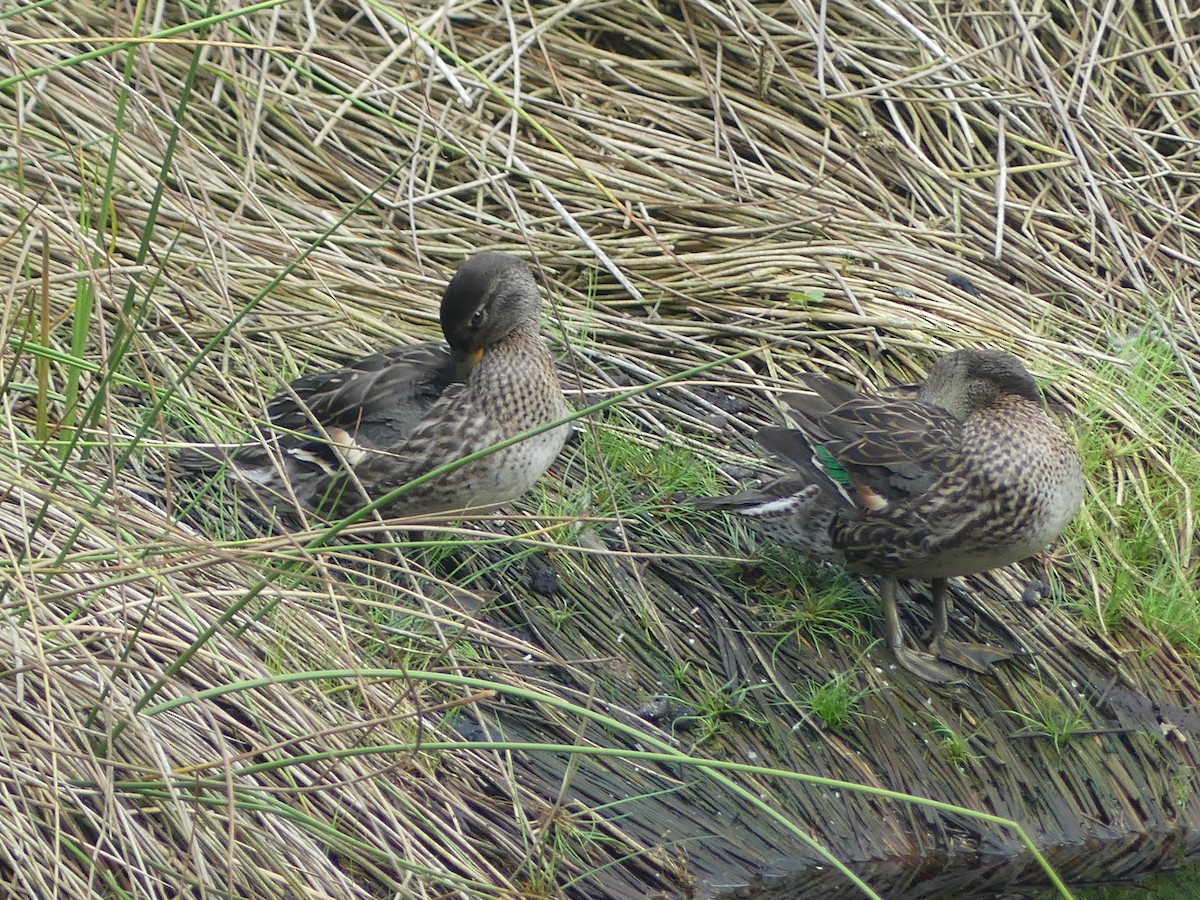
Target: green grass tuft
<point>1054,719</point>
<point>1137,527</point>
<point>635,473</point>
<point>808,602</point>
<point>954,746</point>
<point>718,705</point>
<point>834,702</point>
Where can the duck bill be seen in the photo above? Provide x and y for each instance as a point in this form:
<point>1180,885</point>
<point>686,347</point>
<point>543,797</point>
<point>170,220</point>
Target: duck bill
<point>465,362</point>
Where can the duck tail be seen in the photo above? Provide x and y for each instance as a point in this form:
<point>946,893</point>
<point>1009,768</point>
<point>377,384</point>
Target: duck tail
<point>249,463</point>
<point>732,503</point>
<point>252,461</point>
<point>793,445</point>
<point>788,511</point>
<point>204,459</point>
<point>755,502</point>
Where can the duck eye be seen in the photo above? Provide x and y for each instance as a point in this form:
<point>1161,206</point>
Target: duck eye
<point>478,317</point>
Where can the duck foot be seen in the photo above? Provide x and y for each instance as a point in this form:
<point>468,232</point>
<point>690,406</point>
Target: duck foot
<point>925,666</point>
<point>976,657</point>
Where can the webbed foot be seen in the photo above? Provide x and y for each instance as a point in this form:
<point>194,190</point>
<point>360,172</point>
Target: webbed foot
<point>976,657</point>
<point>925,666</point>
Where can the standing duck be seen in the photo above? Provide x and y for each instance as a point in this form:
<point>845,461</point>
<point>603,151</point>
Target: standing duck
<point>969,474</point>
<point>392,417</point>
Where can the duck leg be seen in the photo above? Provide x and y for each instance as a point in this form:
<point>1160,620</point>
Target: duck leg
<point>923,665</point>
<point>976,657</point>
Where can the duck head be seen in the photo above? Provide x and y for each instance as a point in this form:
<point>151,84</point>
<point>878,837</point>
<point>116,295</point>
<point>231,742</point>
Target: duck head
<point>490,296</point>
<point>966,381</point>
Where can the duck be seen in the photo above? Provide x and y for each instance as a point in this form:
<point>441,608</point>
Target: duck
<point>340,439</point>
<point>960,474</point>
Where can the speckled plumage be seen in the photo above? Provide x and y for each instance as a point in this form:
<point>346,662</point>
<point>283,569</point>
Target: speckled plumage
<point>400,414</point>
<point>970,474</point>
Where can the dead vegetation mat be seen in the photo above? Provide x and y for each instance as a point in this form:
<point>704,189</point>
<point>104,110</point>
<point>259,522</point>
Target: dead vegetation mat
<point>203,202</point>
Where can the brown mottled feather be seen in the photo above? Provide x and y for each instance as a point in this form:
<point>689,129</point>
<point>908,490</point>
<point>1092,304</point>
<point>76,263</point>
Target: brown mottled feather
<point>379,398</point>
<point>968,474</point>
<point>402,413</point>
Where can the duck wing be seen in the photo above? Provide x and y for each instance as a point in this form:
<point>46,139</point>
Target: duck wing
<point>378,399</point>
<point>874,452</point>
<point>452,428</point>
<point>894,450</point>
